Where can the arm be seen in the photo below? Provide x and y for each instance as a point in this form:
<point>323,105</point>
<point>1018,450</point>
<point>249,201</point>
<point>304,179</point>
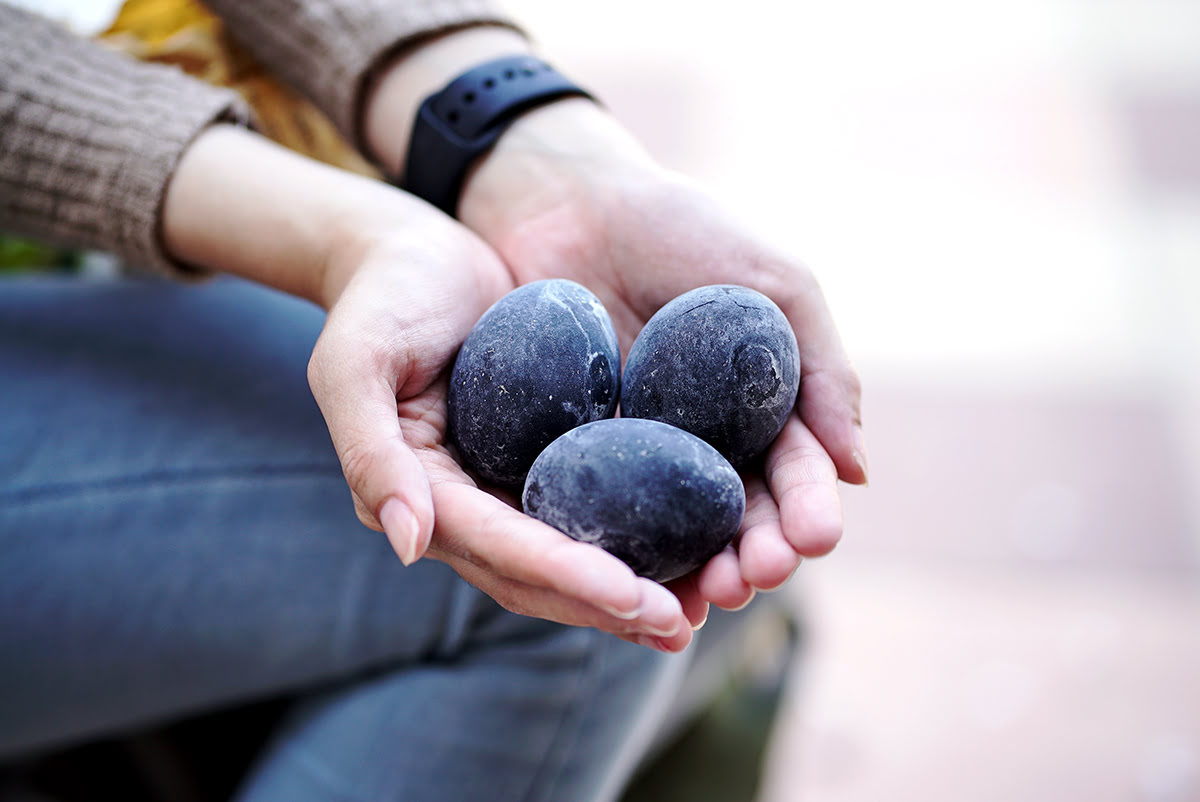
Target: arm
<point>129,160</point>
<point>403,284</point>
<point>568,192</point>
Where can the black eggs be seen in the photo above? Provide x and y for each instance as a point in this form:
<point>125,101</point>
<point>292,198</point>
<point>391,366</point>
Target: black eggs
<point>542,360</point>
<point>656,497</point>
<point>720,362</point>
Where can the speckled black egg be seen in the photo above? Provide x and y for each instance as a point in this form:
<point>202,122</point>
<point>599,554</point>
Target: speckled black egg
<point>720,362</point>
<point>658,498</point>
<point>541,361</point>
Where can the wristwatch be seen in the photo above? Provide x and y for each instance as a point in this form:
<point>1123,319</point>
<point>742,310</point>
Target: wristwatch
<point>458,124</point>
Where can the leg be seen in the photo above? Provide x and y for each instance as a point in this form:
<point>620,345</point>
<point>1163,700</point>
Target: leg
<point>527,721</point>
<point>175,534</point>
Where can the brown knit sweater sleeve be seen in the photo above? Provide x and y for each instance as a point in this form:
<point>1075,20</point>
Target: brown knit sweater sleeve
<point>327,48</point>
<point>89,139</point>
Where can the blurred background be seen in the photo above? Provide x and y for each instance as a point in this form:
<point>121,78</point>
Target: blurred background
<point>1002,201</point>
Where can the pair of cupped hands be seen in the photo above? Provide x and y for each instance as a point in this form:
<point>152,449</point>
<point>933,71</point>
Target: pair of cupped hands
<point>566,193</point>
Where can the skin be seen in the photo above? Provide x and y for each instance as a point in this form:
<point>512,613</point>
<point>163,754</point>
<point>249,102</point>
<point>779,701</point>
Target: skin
<point>566,193</point>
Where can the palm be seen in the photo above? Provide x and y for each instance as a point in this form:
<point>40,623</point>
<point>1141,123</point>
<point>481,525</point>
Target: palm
<point>637,247</point>
<point>639,244</point>
<point>380,373</point>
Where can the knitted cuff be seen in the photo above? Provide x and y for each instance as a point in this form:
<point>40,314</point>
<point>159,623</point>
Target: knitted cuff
<point>91,139</point>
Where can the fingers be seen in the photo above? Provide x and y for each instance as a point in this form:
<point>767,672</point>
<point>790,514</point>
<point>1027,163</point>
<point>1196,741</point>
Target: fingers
<point>354,387</point>
<point>536,570</point>
<point>524,599</point>
<point>803,481</point>
<point>695,607</point>
<point>720,581</point>
<point>830,402</point>
<point>766,558</point>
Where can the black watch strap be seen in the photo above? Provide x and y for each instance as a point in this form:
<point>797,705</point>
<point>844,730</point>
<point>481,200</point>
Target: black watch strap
<point>460,123</point>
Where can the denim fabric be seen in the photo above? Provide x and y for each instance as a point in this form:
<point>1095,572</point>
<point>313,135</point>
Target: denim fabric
<point>176,536</point>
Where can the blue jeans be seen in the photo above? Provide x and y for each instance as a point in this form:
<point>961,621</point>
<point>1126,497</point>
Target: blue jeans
<point>176,536</point>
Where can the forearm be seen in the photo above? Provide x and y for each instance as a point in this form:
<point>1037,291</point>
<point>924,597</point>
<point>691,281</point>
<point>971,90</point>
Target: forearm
<point>240,204</point>
<point>575,129</point>
<point>391,101</point>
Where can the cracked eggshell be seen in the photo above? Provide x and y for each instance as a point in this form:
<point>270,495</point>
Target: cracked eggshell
<point>720,362</point>
<point>659,499</point>
<point>541,361</point>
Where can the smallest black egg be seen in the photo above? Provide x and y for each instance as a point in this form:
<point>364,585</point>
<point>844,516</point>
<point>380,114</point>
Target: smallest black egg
<point>720,362</point>
<point>659,499</point>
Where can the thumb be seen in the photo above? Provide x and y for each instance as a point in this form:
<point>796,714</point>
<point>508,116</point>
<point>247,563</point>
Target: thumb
<point>355,390</point>
<point>391,491</point>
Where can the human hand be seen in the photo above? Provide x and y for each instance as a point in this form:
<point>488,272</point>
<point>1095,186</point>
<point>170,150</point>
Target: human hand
<point>568,193</point>
<point>379,375</point>
<point>403,284</point>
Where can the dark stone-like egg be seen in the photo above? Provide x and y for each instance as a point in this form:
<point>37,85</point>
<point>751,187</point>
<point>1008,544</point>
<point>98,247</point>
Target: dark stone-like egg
<point>542,360</point>
<point>661,500</point>
<point>720,362</point>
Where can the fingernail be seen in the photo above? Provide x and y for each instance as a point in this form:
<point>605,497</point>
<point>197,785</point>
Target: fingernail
<point>401,527</point>
<point>658,603</point>
<point>651,643</point>
<point>661,633</point>
<point>700,626</point>
<point>624,615</point>
<point>860,453</point>
<point>746,603</point>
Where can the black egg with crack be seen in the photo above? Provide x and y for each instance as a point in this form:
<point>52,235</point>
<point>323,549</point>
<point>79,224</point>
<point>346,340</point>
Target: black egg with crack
<point>541,361</point>
<point>661,500</point>
<point>720,362</point>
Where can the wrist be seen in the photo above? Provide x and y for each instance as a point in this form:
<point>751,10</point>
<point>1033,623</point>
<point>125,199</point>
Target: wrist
<point>240,204</point>
<point>546,157</point>
<point>398,88</point>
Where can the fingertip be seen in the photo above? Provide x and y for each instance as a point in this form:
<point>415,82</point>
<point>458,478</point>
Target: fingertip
<point>766,560</point>
<point>695,607</point>
<point>661,612</point>
<point>401,528</point>
<point>720,582</point>
<point>623,603</point>
<point>671,645</point>
<point>847,448</point>
<point>811,519</point>
<point>859,456</point>
<point>829,406</point>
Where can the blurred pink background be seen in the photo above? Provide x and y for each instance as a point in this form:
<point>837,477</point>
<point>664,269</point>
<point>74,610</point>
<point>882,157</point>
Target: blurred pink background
<point>1003,203</point>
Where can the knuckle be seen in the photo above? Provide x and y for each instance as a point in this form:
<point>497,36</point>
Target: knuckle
<point>801,464</point>
<point>851,382</point>
<point>357,460</point>
<point>368,519</point>
<point>314,369</point>
<point>788,277</point>
<point>835,384</point>
<point>319,362</point>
